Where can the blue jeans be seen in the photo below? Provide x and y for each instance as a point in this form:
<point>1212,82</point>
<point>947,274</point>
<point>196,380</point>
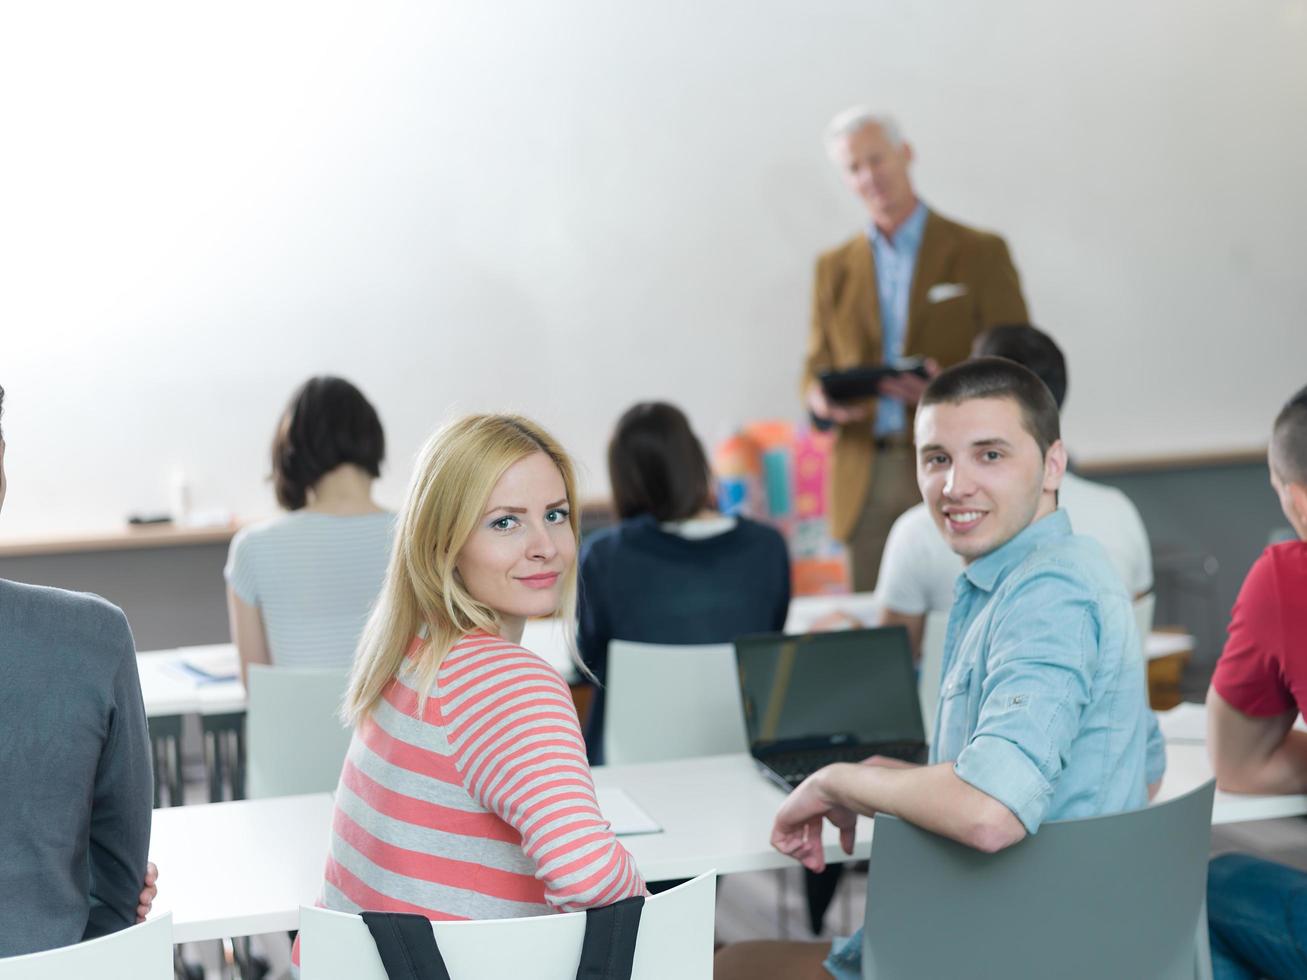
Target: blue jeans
<point>1257,919</point>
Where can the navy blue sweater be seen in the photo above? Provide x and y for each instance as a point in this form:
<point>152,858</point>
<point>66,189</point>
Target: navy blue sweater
<point>643,584</point>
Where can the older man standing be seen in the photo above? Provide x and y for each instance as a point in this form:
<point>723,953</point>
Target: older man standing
<point>913,284</point>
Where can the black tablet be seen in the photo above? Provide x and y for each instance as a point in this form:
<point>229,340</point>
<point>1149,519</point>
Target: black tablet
<point>862,382</point>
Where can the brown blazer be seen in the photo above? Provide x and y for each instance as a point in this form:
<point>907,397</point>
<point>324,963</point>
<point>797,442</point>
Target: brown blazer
<point>846,332</point>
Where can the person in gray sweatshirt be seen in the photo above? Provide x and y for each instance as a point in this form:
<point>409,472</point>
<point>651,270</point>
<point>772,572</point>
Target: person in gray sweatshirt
<point>75,779</point>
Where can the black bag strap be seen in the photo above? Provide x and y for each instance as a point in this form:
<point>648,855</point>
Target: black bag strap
<point>408,948</point>
<point>406,945</point>
<point>608,949</point>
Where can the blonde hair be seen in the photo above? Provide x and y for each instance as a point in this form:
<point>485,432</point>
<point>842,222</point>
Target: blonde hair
<point>455,474</point>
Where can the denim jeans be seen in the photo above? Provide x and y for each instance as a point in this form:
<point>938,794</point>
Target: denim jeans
<point>1257,919</point>
<point>845,960</point>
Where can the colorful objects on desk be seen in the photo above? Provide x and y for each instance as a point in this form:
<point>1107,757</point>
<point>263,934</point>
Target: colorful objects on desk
<point>770,472</point>
<point>737,464</point>
<point>811,461</point>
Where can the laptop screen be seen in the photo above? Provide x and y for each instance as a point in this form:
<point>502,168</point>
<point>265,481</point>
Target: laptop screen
<point>829,688</point>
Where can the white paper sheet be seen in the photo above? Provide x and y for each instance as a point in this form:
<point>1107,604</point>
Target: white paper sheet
<point>209,665</point>
<point>624,813</point>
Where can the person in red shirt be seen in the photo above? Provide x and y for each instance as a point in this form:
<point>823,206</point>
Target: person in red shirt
<point>1257,910</point>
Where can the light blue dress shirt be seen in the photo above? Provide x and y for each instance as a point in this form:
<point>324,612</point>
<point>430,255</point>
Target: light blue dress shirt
<point>895,259</point>
<point>1043,703</point>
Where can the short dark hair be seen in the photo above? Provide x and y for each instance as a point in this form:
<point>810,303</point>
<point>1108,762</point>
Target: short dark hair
<point>1030,347</point>
<point>656,465</point>
<point>328,423</point>
<point>1289,440</point>
<point>997,377</point>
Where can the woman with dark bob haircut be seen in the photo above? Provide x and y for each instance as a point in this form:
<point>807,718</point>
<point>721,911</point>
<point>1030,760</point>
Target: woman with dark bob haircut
<point>674,570</point>
<point>299,587</point>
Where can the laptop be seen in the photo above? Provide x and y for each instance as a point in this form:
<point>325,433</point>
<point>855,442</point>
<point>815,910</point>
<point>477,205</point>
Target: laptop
<point>820,698</point>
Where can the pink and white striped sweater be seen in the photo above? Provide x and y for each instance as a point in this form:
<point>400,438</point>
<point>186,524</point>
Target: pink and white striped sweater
<point>483,807</point>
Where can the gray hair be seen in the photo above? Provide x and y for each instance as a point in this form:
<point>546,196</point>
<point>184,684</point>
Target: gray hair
<point>851,120</point>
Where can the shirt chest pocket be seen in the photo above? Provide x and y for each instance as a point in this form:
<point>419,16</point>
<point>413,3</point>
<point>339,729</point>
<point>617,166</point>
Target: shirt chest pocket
<point>957,711</point>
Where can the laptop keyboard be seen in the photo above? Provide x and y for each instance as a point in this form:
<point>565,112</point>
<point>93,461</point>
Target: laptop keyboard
<point>795,767</point>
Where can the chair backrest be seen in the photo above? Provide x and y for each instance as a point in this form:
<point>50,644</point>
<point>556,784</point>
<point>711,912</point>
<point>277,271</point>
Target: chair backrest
<point>931,667</point>
<point>675,940</point>
<point>295,740</point>
<point>1115,896</point>
<point>672,702</point>
<point>142,952</point>
<point>1144,607</point>
<point>548,640</point>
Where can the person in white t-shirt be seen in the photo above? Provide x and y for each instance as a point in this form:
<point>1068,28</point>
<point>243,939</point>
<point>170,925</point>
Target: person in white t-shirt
<point>918,570</point>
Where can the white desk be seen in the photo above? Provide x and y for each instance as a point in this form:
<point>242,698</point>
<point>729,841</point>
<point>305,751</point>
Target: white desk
<point>1187,722</point>
<point>1187,767</point>
<point>807,609</point>
<point>716,812</point>
<point>232,869</point>
<point>168,690</point>
<point>228,869</point>
<point>239,869</point>
<point>1158,645</point>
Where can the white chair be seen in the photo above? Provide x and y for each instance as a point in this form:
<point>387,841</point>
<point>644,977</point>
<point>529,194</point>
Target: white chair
<point>295,740</point>
<point>142,952</point>
<point>672,702</point>
<point>931,667</point>
<point>675,940</point>
<point>548,640</point>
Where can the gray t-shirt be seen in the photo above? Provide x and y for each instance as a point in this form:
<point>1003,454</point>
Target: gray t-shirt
<point>76,785</point>
<point>314,578</point>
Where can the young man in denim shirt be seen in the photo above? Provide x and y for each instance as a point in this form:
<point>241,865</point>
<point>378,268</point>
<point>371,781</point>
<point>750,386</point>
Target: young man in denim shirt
<point>1043,713</point>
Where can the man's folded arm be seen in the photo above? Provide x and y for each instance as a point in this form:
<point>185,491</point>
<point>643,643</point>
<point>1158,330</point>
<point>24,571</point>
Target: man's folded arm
<point>931,797</point>
<point>1255,755</point>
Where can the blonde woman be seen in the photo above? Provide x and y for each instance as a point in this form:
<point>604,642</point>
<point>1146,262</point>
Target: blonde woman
<point>466,793</point>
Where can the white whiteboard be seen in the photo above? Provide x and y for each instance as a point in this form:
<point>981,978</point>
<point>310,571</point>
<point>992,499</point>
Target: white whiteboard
<point>561,208</point>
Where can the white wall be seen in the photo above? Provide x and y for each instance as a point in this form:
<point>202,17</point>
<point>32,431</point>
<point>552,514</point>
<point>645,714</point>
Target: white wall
<point>561,208</point>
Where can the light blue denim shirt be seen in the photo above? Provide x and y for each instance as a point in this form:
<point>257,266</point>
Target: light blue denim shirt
<point>895,260</point>
<point>1043,704</point>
